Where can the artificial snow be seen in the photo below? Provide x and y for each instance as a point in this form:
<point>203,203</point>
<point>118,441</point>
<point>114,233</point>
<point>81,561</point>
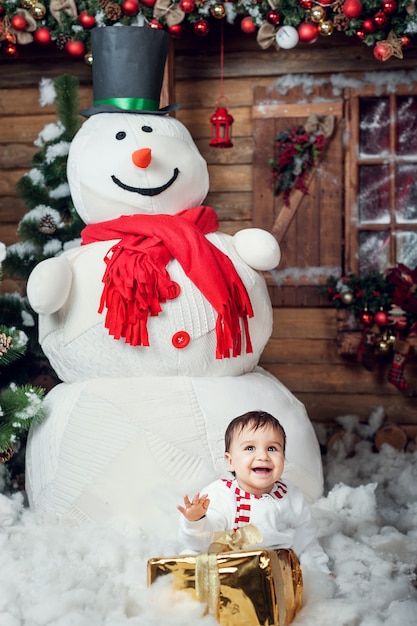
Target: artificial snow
<point>57,574</point>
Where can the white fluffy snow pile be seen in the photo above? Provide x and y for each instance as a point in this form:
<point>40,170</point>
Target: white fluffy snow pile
<point>56,574</point>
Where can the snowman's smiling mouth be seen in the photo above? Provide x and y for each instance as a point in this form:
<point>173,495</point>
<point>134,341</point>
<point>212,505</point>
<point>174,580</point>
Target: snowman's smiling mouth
<point>151,191</point>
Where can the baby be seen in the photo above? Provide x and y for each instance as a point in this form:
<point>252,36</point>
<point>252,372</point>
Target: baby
<point>255,454</point>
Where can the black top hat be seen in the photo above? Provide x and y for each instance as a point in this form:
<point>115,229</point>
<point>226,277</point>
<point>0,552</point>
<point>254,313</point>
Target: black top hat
<point>128,70</point>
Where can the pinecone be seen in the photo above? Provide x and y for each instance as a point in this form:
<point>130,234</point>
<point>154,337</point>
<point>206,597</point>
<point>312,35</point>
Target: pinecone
<point>341,22</point>
<point>6,342</point>
<point>47,225</point>
<point>61,41</point>
<point>6,455</point>
<point>113,11</point>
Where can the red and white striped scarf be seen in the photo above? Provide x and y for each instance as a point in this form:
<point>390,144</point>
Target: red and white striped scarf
<point>243,500</point>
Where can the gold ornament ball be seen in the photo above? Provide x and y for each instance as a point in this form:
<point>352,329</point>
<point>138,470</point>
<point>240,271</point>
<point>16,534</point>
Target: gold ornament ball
<point>38,11</point>
<point>218,11</point>
<point>317,13</point>
<point>383,346</point>
<point>347,297</point>
<point>325,28</point>
<point>28,4</point>
<point>88,58</point>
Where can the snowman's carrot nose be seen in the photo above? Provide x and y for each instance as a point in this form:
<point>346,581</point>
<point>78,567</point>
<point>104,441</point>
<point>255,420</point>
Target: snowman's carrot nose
<point>142,157</point>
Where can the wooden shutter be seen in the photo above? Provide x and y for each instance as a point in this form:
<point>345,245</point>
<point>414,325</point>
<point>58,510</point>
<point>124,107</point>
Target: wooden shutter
<point>310,230</point>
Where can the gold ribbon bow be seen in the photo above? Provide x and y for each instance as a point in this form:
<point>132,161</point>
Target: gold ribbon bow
<point>170,11</point>
<point>207,580</point>
<point>266,36</point>
<point>322,124</point>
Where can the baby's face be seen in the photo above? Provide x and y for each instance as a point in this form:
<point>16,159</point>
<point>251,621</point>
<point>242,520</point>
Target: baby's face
<point>257,458</point>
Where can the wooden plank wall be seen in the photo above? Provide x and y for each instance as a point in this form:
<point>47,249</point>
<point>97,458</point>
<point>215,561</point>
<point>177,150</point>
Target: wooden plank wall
<point>302,351</point>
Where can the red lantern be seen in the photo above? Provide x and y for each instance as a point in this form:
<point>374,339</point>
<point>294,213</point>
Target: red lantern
<point>221,129</point>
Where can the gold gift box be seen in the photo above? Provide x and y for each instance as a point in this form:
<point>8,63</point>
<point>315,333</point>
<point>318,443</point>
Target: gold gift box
<point>257,587</point>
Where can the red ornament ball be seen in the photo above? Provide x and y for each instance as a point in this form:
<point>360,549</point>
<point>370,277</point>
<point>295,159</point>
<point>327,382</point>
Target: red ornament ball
<point>305,4</point>
<point>389,6</point>
<point>10,50</point>
<point>86,20</point>
<point>405,41</point>
<point>382,52</point>
<point>248,25</point>
<point>380,19</point>
<point>75,49</point>
<point>148,3</point>
<point>130,7</point>
<point>368,26</point>
<point>326,2</point>
<point>273,17</point>
<point>308,32</point>
<point>381,318</point>
<point>360,34</point>
<point>175,30</point>
<point>18,22</point>
<point>352,8</point>
<point>187,6</point>
<point>42,36</point>
<point>201,27</point>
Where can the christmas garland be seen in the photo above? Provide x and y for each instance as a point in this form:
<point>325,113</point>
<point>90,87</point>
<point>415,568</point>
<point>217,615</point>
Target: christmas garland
<point>388,25</point>
<point>383,307</point>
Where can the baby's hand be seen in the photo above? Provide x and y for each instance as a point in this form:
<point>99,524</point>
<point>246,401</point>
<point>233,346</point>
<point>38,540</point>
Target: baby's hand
<point>196,508</point>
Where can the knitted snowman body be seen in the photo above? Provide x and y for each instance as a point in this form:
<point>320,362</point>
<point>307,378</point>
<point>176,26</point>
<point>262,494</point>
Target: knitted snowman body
<point>152,368</point>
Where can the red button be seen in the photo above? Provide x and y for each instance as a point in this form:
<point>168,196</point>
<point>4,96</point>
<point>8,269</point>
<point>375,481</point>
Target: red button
<point>181,339</point>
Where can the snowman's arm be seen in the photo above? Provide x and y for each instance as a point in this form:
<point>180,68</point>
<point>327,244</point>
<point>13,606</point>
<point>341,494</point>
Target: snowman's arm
<point>49,285</point>
<point>258,248</point>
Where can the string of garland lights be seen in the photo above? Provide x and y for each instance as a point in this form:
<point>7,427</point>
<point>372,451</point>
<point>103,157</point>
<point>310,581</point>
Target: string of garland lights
<point>388,26</point>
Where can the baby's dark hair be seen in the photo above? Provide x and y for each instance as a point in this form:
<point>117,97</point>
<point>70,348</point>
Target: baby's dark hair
<point>255,420</point>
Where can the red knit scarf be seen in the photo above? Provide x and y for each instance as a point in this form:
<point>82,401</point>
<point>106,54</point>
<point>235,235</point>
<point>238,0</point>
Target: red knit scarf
<point>136,280</point>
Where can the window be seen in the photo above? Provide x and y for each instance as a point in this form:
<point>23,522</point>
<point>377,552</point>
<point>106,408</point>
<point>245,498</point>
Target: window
<point>381,182</point>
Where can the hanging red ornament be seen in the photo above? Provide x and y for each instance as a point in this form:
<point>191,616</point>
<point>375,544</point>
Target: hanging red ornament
<point>175,30</point>
<point>75,49</point>
<point>10,49</point>
<point>42,36</point>
<point>382,51</point>
<point>366,318</point>
<point>18,22</point>
<point>405,41</point>
<point>305,4</point>
<point>248,25</point>
<point>154,23</point>
<point>187,6</point>
<point>381,318</point>
<point>352,8</point>
<point>148,3</point>
<point>360,34</point>
<point>273,17</point>
<point>368,26</point>
<point>87,21</point>
<point>130,7</point>
<point>308,32</point>
<point>326,2</point>
<point>380,19</point>
<point>201,27</point>
<point>389,6</point>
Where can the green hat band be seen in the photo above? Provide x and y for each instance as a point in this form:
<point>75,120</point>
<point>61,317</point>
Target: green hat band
<point>131,104</point>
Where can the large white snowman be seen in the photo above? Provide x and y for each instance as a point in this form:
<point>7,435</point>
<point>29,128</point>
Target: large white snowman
<point>157,322</point>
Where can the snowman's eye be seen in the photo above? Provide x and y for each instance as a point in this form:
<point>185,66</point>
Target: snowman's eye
<point>147,129</point>
<point>120,135</point>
